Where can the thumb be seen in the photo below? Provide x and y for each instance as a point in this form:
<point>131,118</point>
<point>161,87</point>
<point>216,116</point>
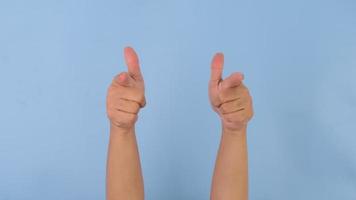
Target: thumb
<point>217,67</point>
<point>132,63</point>
<point>233,80</point>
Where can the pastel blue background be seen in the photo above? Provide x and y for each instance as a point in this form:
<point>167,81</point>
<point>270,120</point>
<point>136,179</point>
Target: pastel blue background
<point>58,57</point>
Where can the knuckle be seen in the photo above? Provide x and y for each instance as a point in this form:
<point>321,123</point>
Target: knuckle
<point>131,118</point>
<point>136,108</point>
<point>251,113</point>
<point>222,97</point>
<point>110,114</point>
<point>142,100</point>
<point>239,103</point>
<point>223,108</point>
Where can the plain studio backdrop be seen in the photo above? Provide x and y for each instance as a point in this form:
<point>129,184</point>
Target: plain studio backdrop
<point>57,59</point>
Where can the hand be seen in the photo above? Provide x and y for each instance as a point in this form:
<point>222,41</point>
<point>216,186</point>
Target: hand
<point>230,98</point>
<point>126,94</point>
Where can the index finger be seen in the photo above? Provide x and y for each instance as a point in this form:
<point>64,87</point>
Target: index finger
<point>234,80</point>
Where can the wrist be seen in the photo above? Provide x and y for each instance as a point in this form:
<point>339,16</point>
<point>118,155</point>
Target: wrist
<point>239,129</point>
<point>115,129</point>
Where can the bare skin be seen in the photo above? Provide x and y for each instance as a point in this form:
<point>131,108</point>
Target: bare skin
<point>231,100</point>
<point>228,97</point>
<point>126,95</point>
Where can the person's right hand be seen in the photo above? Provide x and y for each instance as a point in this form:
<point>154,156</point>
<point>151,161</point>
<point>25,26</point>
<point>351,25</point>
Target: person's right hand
<point>126,94</point>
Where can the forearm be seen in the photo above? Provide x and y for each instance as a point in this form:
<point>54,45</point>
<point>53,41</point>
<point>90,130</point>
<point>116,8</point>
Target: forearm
<point>230,179</point>
<point>124,177</point>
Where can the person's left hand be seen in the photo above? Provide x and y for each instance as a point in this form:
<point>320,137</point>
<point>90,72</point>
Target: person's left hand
<point>230,98</point>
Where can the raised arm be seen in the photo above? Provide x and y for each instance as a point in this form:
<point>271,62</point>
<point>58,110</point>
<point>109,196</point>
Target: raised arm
<point>231,100</point>
<point>124,99</point>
